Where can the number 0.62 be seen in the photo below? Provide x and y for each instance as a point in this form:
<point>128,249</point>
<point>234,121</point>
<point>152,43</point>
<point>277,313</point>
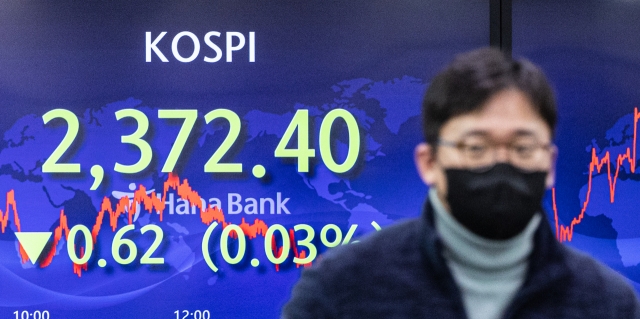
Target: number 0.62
<point>118,242</point>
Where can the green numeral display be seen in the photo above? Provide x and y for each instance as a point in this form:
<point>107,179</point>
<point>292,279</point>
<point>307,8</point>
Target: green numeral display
<point>51,165</point>
<point>224,244</point>
<point>299,123</point>
<point>189,117</point>
<point>213,165</point>
<point>325,140</point>
<point>118,242</point>
<point>136,139</point>
<point>71,244</point>
<point>268,244</point>
<point>299,126</point>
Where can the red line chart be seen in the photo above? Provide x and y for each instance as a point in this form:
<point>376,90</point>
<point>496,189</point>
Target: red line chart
<point>147,202</point>
<point>565,233</point>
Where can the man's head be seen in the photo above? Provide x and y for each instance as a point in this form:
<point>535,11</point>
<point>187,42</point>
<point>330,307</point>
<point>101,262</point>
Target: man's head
<point>486,112</point>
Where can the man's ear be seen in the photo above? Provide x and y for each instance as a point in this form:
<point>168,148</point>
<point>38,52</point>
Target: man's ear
<point>425,161</point>
<point>551,177</point>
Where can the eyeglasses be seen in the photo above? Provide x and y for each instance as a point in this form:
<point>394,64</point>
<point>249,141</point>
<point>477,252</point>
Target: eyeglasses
<point>480,153</point>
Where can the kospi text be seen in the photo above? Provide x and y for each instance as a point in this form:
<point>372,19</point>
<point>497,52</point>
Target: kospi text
<point>231,41</point>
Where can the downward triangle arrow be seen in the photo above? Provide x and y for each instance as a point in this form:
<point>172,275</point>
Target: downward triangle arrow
<point>33,243</point>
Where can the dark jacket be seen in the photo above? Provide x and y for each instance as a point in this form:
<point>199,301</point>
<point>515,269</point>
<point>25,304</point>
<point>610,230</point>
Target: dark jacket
<point>399,272</point>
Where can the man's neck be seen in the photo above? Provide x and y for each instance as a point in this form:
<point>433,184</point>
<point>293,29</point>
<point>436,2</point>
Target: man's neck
<point>488,272</point>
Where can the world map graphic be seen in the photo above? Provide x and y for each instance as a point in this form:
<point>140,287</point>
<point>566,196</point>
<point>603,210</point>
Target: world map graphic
<point>386,112</point>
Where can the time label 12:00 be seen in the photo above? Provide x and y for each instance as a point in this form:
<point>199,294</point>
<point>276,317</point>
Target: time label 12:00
<point>299,125</point>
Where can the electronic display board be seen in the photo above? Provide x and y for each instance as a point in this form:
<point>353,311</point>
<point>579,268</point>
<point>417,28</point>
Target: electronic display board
<point>190,159</point>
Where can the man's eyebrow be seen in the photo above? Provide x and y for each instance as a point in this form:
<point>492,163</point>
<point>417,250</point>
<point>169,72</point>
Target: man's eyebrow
<point>485,134</point>
<point>479,133</point>
<point>524,133</point>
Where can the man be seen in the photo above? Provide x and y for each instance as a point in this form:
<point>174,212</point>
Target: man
<point>482,247</point>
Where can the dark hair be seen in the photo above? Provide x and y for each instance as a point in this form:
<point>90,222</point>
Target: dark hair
<point>472,78</point>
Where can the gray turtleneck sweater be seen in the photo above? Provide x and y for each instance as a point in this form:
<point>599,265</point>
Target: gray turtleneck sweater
<point>488,272</point>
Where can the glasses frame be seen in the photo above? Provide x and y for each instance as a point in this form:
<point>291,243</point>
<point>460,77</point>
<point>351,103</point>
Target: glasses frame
<point>460,145</point>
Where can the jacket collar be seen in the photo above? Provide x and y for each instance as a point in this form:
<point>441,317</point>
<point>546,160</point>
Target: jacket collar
<point>546,263</point>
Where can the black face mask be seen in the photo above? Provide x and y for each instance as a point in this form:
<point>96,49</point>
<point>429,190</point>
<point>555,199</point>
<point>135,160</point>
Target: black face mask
<point>498,203</point>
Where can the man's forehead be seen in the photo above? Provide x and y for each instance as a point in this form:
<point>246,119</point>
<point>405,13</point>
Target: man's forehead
<point>506,114</point>
<point>462,126</point>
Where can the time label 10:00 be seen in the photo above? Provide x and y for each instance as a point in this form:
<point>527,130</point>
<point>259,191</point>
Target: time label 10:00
<point>299,123</point>
<point>31,315</point>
